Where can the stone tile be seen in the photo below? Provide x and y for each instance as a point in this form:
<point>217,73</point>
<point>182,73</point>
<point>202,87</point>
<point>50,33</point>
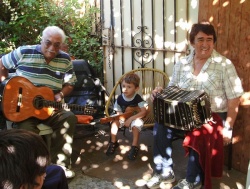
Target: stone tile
<point>95,170</point>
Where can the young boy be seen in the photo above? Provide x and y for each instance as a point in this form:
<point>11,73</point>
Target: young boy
<point>128,98</point>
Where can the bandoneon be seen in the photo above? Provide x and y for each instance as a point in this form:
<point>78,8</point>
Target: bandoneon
<point>182,109</point>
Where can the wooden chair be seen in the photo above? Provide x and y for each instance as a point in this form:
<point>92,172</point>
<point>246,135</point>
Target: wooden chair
<point>149,79</point>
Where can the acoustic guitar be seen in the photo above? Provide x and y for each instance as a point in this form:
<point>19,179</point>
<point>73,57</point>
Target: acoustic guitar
<point>129,111</point>
<point>21,100</point>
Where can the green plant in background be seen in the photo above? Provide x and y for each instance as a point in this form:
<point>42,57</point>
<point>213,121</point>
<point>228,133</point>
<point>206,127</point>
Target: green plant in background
<point>22,21</point>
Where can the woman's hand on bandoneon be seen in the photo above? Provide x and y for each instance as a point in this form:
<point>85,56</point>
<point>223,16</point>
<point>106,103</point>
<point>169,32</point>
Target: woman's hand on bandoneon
<point>155,91</point>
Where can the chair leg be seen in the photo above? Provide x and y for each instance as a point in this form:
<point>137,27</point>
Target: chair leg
<point>248,177</point>
<point>230,153</point>
<point>47,140</point>
<point>124,130</point>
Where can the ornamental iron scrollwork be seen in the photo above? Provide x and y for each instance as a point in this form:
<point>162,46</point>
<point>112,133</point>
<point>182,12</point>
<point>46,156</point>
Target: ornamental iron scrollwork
<point>142,43</point>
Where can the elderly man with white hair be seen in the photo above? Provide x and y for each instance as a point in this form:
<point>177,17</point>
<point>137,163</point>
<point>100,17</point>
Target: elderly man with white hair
<point>46,65</point>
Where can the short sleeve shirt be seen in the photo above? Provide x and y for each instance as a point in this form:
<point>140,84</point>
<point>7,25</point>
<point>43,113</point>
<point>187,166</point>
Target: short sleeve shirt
<point>122,102</point>
<point>30,63</point>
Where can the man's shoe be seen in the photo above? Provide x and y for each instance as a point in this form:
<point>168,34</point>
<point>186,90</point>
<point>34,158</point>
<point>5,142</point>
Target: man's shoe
<point>68,173</point>
<point>184,184</point>
<point>157,179</point>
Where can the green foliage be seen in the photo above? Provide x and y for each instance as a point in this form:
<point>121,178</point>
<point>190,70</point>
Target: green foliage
<point>22,21</point>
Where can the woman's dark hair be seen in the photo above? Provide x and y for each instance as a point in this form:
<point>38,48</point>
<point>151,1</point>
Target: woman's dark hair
<point>23,157</point>
<point>204,27</point>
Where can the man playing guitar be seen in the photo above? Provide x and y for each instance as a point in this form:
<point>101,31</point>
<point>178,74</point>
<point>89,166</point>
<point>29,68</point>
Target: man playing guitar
<point>46,65</point>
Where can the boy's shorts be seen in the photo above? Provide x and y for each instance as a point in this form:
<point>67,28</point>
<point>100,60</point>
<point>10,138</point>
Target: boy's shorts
<point>138,123</point>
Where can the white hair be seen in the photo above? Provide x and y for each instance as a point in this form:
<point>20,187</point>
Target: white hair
<point>54,30</point>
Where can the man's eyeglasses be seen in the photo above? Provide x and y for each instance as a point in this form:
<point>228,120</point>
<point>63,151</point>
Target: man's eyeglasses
<point>48,43</point>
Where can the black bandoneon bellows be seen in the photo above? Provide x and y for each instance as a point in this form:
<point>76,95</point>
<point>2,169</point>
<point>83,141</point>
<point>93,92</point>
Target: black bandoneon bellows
<point>182,109</point>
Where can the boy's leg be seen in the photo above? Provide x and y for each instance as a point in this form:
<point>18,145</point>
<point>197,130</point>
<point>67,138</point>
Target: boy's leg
<point>114,130</point>
<point>136,135</point>
<point>113,144</point>
<point>135,128</point>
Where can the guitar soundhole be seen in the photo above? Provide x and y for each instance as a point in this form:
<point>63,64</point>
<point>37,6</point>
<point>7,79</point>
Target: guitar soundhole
<point>38,102</point>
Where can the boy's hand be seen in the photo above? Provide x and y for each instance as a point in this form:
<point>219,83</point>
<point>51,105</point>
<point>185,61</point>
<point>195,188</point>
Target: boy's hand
<point>128,121</point>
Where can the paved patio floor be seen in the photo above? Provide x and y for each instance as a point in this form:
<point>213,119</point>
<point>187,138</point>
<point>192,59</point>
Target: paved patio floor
<point>95,170</point>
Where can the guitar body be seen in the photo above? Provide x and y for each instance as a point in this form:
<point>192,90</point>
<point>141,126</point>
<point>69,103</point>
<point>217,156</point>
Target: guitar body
<point>130,111</point>
<point>19,100</point>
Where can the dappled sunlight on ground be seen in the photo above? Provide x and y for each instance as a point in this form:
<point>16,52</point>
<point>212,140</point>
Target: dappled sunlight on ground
<point>94,169</point>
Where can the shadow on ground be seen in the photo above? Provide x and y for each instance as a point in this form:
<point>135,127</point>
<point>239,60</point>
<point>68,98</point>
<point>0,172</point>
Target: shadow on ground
<point>95,170</point>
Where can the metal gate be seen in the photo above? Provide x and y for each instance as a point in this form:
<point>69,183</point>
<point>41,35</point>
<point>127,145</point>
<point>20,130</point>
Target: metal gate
<point>144,33</point>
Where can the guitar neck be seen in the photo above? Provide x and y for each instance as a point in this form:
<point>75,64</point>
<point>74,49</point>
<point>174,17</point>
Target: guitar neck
<point>88,110</point>
<point>59,105</point>
<point>130,111</point>
<point>116,117</point>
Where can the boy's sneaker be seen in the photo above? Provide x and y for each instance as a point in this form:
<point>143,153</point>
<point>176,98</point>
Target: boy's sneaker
<point>157,179</point>
<point>184,184</point>
<point>133,152</point>
<point>111,148</point>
